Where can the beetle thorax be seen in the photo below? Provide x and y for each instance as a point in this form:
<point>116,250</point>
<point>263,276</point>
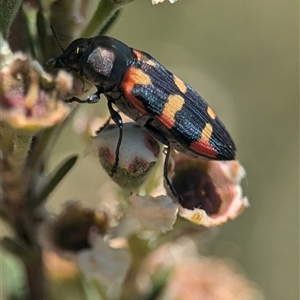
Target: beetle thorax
<point>99,65</point>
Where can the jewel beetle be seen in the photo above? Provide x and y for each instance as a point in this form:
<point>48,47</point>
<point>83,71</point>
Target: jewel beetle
<point>143,89</point>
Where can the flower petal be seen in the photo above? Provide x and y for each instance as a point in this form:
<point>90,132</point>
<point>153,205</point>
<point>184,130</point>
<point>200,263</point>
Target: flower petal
<point>107,265</point>
<point>210,190</point>
<point>145,212</point>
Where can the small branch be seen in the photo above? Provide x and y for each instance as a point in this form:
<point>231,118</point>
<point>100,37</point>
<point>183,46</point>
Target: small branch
<point>36,277</point>
<point>26,230</point>
<point>105,11</point>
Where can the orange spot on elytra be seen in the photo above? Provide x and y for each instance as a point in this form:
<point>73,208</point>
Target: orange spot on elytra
<point>211,113</point>
<point>142,57</point>
<point>202,146</point>
<point>172,106</point>
<point>206,132</point>
<point>131,78</point>
<point>180,84</point>
<point>138,54</point>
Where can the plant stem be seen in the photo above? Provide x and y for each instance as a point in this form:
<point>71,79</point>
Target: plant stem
<point>105,11</point>
<point>36,277</point>
<point>25,226</point>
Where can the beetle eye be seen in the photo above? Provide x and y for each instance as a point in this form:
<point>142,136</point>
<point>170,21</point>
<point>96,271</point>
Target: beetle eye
<point>77,51</point>
<point>75,54</point>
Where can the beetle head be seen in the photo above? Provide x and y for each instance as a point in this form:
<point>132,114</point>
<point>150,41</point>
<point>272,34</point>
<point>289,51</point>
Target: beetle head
<point>101,60</point>
<point>73,57</point>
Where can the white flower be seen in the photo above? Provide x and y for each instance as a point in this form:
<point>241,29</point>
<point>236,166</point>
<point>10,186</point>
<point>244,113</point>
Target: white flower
<point>77,234</point>
<point>145,212</point>
<point>107,265</point>
<point>210,191</point>
<point>160,1</point>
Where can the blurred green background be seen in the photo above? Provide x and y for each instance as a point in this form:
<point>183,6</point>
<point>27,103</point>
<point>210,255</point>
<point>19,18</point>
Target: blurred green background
<point>243,58</point>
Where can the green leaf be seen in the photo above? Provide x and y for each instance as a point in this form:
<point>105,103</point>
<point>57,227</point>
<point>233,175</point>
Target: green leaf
<point>110,22</point>
<point>53,180</point>
<point>159,282</point>
<point>43,144</point>
<point>42,35</point>
<point>40,148</point>
<point>105,11</point>
<point>3,214</point>
<point>30,14</point>
<point>8,11</point>
<point>16,247</point>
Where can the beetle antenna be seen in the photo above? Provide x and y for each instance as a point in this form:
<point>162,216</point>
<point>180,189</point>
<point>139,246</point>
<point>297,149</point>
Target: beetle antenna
<point>57,39</point>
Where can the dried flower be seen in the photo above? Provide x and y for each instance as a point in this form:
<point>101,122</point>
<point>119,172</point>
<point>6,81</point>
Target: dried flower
<point>30,99</point>
<point>210,190</point>
<point>77,234</point>
<point>73,230</point>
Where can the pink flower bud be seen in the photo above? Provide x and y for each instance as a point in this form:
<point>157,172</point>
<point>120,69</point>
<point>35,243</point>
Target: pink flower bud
<point>138,154</point>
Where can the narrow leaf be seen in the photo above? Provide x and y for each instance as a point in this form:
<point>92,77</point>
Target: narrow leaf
<point>8,11</point>
<point>15,247</point>
<point>54,179</point>
<point>110,22</point>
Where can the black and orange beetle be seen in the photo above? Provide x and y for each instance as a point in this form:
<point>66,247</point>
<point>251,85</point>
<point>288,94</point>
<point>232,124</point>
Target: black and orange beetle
<point>140,87</point>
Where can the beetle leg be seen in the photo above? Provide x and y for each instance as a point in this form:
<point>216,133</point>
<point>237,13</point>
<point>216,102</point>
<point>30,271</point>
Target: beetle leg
<point>166,165</point>
<point>94,98</point>
<point>75,99</point>
<point>119,122</point>
<point>161,138</point>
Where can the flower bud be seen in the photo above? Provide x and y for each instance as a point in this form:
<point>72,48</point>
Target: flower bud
<point>139,152</point>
